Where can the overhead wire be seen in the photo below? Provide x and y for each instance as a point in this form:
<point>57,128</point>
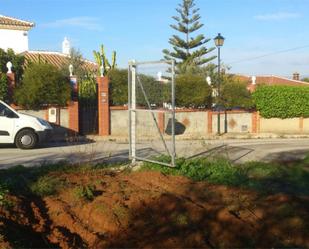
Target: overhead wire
<point>267,55</point>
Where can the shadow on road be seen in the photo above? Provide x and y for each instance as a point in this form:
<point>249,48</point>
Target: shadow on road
<point>232,153</point>
<point>286,156</point>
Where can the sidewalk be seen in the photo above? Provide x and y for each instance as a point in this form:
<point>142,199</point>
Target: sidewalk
<point>214,137</point>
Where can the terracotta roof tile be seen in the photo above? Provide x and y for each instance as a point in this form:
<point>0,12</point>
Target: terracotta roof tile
<point>55,58</point>
<point>13,23</point>
<point>272,80</point>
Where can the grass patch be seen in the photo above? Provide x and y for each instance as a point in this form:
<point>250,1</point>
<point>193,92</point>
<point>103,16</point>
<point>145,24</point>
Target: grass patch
<point>121,212</point>
<point>263,177</point>
<point>38,180</point>
<point>46,185</point>
<point>180,219</point>
<point>218,171</point>
<point>3,195</point>
<point>86,193</point>
<point>21,180</point>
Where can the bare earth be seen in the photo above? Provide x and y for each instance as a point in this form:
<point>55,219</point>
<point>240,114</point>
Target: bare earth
<point>151,210</point>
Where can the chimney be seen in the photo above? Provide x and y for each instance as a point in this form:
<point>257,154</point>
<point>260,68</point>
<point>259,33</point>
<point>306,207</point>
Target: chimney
<point>66,47</point>
<point>296,76</point>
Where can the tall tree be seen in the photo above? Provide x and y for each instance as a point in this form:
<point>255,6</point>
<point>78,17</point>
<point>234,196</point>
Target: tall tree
<point>77,61</point>
<point>188,51</point>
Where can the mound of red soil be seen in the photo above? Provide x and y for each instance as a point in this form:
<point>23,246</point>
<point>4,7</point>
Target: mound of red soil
<point>151,210</point>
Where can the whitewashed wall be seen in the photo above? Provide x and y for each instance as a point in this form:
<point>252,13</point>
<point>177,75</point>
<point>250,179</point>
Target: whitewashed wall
<point>15,39</point>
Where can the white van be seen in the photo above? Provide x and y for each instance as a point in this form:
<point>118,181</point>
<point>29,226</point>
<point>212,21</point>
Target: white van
<point>23,130</point>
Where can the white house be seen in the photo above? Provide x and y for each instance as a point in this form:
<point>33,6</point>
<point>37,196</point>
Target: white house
<point>14,34</point>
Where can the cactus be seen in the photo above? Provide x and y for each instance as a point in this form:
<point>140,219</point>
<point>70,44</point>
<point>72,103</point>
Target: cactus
<point>102,60</point>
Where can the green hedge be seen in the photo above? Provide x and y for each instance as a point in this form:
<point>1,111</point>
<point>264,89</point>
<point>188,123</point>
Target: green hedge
<point>282,101</point>
<point>42,84</point>
<point>3,87</point>
<point>156,92</point>
<point>192,91</point>
<point>118,86</point>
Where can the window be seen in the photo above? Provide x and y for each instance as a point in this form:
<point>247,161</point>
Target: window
<point>4,111</point>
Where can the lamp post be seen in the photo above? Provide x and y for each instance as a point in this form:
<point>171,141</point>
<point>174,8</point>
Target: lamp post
<point>219,41</point>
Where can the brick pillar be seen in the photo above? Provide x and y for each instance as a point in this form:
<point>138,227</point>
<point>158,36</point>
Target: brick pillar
<point>46,114</point>
<point>251,88</point>
<point>73,116</point>
<point>254,122</point>
<point>161,121</point>
<point>103,106</point>
<point>209,122</point>
<point>73,106</point>
<point>11,85</point>
<point>301,124</point>
<point>258,122</point>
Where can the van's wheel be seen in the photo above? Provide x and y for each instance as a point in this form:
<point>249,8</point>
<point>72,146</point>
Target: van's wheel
<point>26,140</point>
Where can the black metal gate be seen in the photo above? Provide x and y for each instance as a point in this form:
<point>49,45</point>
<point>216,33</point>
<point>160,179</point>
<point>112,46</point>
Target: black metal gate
<point>88,115</point>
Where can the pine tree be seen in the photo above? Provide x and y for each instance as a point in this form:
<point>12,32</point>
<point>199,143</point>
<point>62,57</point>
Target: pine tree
<point>190,50</point>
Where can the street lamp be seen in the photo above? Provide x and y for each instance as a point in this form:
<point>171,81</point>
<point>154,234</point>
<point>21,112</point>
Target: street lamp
<point>219,41</point>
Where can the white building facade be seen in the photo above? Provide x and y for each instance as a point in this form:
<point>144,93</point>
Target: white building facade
<point>14,34</point>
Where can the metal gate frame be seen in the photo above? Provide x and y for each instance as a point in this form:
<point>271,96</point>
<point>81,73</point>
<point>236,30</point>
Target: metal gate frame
<point>133,80</point>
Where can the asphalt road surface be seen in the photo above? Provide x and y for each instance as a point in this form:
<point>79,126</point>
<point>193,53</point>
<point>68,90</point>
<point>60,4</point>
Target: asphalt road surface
<point>236,150</point>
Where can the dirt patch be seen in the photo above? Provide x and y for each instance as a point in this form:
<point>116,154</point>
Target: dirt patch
<point>103,209</point>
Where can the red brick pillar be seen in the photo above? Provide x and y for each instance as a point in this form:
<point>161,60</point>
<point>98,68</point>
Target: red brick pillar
<point>46,114</point>
<point>103,106</point>
<point>161,121</point>
<point>73,116</point>
<point>258,122</point>
<point>301,124</point>
<point>254,122</point>
<point>209,122</point>
<point>73,107</point>
<point>251,88</point>
<point>11,85</point>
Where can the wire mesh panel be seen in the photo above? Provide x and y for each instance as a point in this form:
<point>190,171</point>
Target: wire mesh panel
<point>152,112</point>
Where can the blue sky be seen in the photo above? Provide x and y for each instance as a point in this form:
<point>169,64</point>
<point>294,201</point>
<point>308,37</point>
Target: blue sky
<point>139,29</point>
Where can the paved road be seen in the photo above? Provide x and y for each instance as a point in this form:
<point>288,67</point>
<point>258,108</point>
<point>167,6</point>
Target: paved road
<point>236,150</point>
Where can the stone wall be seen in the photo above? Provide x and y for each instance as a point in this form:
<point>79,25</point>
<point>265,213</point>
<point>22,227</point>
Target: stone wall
<point>284,126</point>
<point>237,122</point>
<point>201,123</point>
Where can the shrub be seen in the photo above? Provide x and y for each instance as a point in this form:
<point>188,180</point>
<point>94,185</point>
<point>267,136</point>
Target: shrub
<point>3,87</point>
<point>46,185</point>
<point>16,60</point>
<point>118,86</point>
<point>235,94</point>
<point>87,89</point>
<point>192,91</point>
<point>156,92</point>
<point>265,178</point>
<point>282,101</point>
<point>85,192</point>
<point>43,84</point>
<point>218,171</point>
<point>3,195</point>
<point>79,66</point>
